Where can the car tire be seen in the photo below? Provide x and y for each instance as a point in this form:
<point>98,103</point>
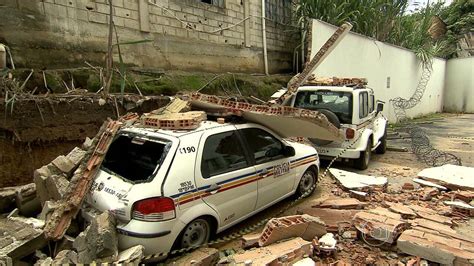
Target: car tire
<point>382,148</point>
<point>196,233</point>
<point>307,183</point>
<point>363,161</point>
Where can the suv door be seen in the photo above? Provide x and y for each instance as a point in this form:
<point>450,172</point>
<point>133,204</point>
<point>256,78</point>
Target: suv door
<point>225,175</point>
<point>277,179</point>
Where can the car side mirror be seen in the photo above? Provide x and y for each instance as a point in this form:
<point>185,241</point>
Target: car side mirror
<point>379,107</point>
<point>289,151</point>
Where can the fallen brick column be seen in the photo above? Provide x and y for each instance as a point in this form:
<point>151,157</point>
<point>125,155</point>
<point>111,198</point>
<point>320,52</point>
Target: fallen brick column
<point>283,253</point>
<point>264,114</point>
<point>70,205</point>
<point>335,220</point>
<point>436,247</point>
<point>304,226</point>
<point>380,224</point>
<point>341,203</point>
<point>199,257</point>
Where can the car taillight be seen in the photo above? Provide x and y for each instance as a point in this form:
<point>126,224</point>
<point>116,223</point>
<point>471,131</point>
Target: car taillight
<point>350,133</point>
<point>154,209</point>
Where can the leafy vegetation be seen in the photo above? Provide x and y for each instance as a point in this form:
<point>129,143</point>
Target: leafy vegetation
<point>389,21</point>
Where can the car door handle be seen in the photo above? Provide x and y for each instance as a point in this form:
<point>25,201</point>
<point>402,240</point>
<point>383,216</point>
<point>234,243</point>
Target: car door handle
<point>213,188</point>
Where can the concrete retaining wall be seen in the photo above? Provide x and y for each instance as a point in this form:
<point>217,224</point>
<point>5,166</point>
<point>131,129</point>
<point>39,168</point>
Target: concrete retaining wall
<point>186,34</point>
<point>392,71</point>
<point>459,86</point>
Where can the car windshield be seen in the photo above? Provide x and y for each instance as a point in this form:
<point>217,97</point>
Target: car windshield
<point>340,103</point>
<point>135,158</point>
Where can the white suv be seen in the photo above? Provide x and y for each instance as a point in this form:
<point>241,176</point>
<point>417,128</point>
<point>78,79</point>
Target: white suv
<point>354,111</point>
<point>172,189</point>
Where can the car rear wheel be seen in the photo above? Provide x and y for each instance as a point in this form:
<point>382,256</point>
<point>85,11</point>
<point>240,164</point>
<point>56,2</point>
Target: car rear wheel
<point>363,162</point>
<point>307,183</point>
<point>195,233</point>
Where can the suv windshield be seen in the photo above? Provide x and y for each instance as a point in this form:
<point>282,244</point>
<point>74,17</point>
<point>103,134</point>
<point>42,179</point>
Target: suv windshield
<point>339,103</point>
<point>135,158</point>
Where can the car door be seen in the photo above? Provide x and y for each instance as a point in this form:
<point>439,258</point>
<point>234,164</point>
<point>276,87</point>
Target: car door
<point>225,176</point>
<point>276,178</point>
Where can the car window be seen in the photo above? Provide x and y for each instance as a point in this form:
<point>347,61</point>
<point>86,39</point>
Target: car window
<point>222,153</point>
<point>135,158</point>
<point>263,146</point>
<point>340,103</point>
<point>363,105</point>
<point>371,103</point>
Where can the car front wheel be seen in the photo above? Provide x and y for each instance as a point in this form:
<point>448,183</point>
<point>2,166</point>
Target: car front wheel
<point>307,183</point>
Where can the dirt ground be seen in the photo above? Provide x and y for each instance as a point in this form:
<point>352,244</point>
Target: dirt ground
<point>398,167</point>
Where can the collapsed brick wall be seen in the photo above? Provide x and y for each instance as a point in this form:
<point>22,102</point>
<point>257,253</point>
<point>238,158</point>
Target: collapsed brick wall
<point>186,34</point>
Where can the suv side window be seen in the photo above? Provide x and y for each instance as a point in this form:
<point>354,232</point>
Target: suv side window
<point>363,105</point>
<point>222,153</point>
<point>371,103</point>
<point>263,146</point>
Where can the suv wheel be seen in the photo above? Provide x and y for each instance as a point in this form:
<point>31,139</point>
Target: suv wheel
<point>363,162</point>
<point>195,233</point>
<point>382,148</point>
<point>307,183</point>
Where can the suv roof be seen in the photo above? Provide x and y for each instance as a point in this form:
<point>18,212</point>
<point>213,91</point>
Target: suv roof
<point>332,88</point>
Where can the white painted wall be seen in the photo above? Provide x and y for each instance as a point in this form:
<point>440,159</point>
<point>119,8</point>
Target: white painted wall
<point>459,86</point>
<point>360,56</point>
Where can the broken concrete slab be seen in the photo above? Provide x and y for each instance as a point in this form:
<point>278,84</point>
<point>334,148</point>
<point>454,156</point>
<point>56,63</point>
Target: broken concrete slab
<point>199,257</point>
<point>354,181</point>
<point>380,224</point>
<point>335,220</point>
<point>99,240</point>
<point>341,203</point>
<point>360,195</point>
<point>135,254</point>
<point>428,183</point>
<point>19,239</point>
<point>304,226</point>
<point>436,248</point>
<point>450,176</point>
<point>286,252</point>
<point>305,262</point>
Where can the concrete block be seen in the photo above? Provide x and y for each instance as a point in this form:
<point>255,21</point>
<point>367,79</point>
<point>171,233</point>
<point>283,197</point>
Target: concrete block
<point>64,164</point>
<point>97,17</point>
<point>76,156</point>
<point>99,240</point>
<point>304,226</point>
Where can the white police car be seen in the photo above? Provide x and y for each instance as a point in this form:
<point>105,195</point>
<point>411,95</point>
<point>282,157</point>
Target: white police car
<point>173,189</point>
